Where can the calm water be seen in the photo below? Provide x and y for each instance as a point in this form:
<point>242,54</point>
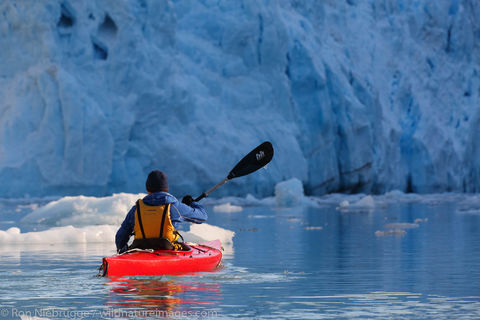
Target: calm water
<point>298,263</point>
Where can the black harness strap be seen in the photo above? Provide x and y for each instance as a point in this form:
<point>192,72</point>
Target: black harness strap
<point>163,219</point>
<point>179,235</point>
<point>139,217</point>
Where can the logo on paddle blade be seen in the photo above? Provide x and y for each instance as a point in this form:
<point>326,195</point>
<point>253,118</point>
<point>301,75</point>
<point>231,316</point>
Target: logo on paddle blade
<point>260,155</point>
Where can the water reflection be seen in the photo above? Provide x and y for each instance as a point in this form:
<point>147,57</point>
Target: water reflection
<point>168,294</point>
<point>302,263</point>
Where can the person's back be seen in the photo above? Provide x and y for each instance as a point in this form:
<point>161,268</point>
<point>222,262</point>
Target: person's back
<point>153,220</point>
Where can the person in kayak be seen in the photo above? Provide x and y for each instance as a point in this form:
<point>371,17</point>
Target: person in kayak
<point>153,219</point>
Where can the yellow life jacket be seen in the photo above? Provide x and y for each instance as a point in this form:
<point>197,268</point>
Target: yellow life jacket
<point>154,222</point>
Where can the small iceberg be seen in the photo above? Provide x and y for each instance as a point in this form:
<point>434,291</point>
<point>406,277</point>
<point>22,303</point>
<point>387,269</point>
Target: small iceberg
<point>80,211</point>
<point>290,193</point>
<point>60,235</point>
<point>364,204</point>
<point>396,232</point>
<point>312,228</point>
<point>397,229</point>
<point>227,207</point>
<point>401,225</point>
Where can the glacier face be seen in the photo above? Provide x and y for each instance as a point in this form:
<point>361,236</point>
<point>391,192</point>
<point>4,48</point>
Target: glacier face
<point>356,96</point>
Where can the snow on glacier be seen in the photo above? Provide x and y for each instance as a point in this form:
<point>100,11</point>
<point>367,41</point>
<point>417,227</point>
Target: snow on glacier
<point>356,96</point>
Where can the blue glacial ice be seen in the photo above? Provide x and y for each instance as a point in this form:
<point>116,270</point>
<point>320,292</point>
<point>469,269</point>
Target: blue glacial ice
<point>356,96</point>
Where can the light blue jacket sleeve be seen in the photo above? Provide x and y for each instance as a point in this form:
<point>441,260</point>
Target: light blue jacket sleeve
<point>181,212</point>
<point>126,230</point>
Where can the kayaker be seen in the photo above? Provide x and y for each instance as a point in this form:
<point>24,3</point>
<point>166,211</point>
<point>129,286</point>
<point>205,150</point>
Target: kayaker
<point>154,225</point>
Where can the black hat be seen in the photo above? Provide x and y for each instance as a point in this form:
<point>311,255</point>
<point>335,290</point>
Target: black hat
<point>157,181</point>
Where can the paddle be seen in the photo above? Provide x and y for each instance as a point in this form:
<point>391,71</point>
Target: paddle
<point>256,159</point>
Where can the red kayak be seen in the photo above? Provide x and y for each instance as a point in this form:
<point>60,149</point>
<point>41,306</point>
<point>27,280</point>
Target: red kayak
<point>205,256</point>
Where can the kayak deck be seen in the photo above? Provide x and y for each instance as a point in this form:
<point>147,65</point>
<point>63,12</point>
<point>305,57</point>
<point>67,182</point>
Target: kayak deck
<point>205,256</point>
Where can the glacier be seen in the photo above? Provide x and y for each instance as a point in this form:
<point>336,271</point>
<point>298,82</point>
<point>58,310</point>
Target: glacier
<point>356,96</point>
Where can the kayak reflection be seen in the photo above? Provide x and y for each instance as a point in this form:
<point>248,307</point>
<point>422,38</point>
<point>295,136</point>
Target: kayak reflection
<point>159,294</point>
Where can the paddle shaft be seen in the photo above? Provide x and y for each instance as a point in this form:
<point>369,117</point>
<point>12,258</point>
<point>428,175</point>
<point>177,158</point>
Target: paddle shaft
<point>215,187</point>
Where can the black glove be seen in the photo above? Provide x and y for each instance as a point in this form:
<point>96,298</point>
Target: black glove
<point>187,200</point>
<point>122,250</point>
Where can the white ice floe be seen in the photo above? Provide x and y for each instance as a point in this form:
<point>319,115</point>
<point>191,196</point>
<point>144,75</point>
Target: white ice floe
<point>398,228</point>
<point>397,196</point>
<point>364,204</point>
<point>227,207</point>
<point>470,205</point>
<point>206,232</point>
<point>312,228</point>
<point>104,234</point>
<point>401,225</point>
<point>290,193</point>
<point>84,219</point>
<point>248,201</point>
<point>396,232</point>
<point>84,211</point>
<point>344,204</point>
<point>60,235</point>
<point>260,216</point>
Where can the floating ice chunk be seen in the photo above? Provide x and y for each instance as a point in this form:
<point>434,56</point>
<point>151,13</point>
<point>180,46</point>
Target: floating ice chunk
<point>395,232</point>
<point>289,193</point>
<point>206,232</point>
<point>314,228</point>
<point>344,204</point>
<point>30,206</point>
<point>13,231</point>
<point>468,211</point>
<point>59,235</point>
<point>364,204</point>
<point>269,202</point>
<point>470,205</point>
<point>83,211</point>
<point>106,234</point>
<point>401,225</point>
<point>430,199</point>
<point>251,198</point>
<point>260,216</point>
<point>248,201</point>
<point>227,207</point>
<point>397,229</point>
<point>395,194</point>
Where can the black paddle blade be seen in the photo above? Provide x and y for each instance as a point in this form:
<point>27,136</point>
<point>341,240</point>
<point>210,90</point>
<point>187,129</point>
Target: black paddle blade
<point>256,159</point>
